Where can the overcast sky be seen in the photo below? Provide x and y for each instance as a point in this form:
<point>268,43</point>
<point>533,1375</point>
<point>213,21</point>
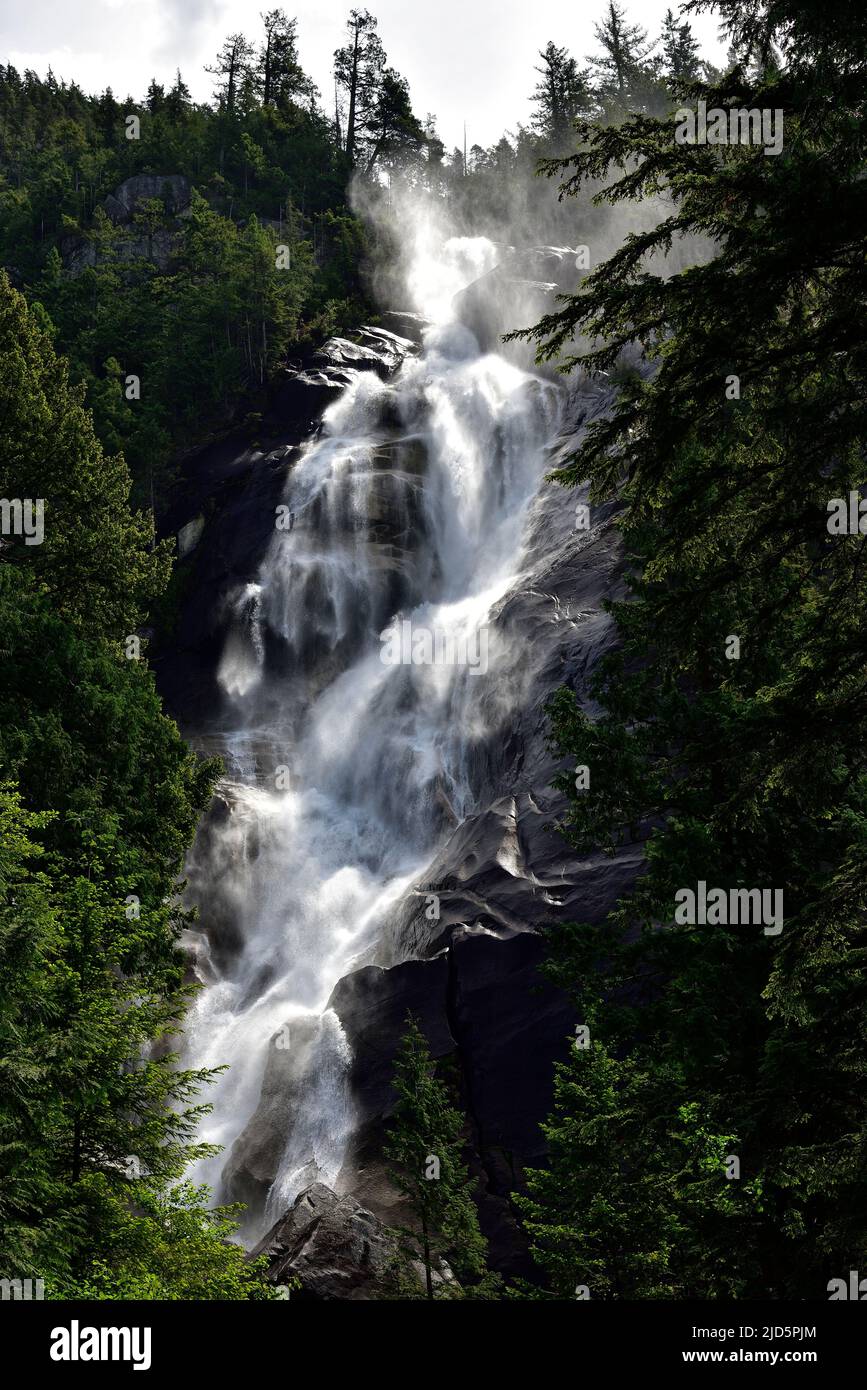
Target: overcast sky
<point>465,59</point>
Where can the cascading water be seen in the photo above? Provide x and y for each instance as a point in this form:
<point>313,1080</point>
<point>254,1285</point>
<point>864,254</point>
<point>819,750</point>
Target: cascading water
<point>344,773</point>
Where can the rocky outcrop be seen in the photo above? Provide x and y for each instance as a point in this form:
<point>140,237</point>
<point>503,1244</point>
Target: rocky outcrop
<point>173,190</point>
<point>336,1249</point>
<point>515,294</point>
<point>375,350</point>
<point>299,398</point>
<point>485,1008</point>
<point>80,252</point>
<point>407,325</point>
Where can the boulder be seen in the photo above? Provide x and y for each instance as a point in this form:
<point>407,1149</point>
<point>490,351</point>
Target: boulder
<point>376,351</point>
<point>189,536</point>
<point>334,1246</point>
<point>299,398</point>
<point>407,325</point>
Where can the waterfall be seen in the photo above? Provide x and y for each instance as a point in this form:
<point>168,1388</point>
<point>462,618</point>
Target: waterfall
<point>403,524</point>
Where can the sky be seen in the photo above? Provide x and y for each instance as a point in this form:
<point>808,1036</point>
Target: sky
<point>465,60</point>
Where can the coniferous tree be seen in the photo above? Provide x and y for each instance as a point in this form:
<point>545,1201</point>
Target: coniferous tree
<point>623,65</point>
<point>358,69</point>
<point>394,136</point>
<point>561,96</point>
<point>98,804</point>
<point>425,1145</point>
<point>178,99</point>
<point>732,725</point>
<point>230,67</point>
<point>680,58</point>
<point>280,78</point>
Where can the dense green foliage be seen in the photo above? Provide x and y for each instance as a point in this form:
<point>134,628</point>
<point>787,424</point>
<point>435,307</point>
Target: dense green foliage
<point>425,1144</point>
<point>98,801</point>
<point>711,1043</point>
<point>191,300</point>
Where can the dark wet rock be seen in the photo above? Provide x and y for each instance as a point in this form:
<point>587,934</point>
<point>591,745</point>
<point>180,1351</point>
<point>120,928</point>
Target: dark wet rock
<point>501,872</point>
<point>376,350</point>
<point>230,491</point>
<point>407,325</point>
<point>485,1009</point>
<point>256,1153</point>
<point>300,398</point>
<point>372,1005</point>
<point>335,1247</point>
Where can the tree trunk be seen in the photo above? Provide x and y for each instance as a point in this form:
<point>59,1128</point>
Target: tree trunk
<point>76,1149</point>
<point>426,1246</point>
<point>350,120</point>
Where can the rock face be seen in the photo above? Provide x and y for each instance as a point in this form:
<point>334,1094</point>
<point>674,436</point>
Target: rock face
<point>256,1154</point>
<point>515,294</point>
<point>79,252</point>
<point>174,189</point>
<point>334,1246</point>
<point>227,504</point>
<point>485,1009</point>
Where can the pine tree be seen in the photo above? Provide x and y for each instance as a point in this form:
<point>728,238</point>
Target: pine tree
<point>561,95</point>
<point>280,78</point>
<point>394,136</point>
<point>622,66</point>
<point>178,99</point>
<point>96,559</point>
<point>230,66</point>
<point>358,70</point>
<point>740,767</point>
<point>425,1145</point>
<point>679,50</point>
